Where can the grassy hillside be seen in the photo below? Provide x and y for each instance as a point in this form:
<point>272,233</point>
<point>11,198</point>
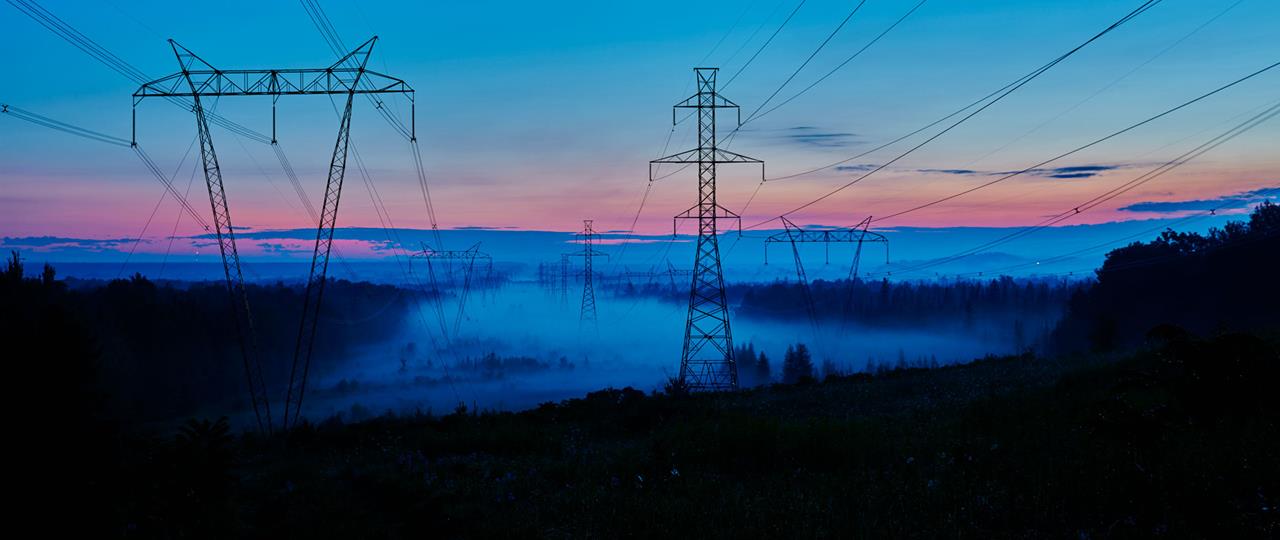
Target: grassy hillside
<point>1178,440</point>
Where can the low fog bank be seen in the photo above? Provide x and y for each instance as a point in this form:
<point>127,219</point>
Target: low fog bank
<point>520,345</point>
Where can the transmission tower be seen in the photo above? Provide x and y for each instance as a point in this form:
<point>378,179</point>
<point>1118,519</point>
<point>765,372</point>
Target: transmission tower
<point>794,234</point>
<point>587,313</point>
<point>199,79</point>
<point>707,361</point>
<point>467,258</point>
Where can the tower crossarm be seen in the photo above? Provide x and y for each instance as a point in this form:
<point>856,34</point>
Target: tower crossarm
<point>472,252</point>
<point>795,234</point>
<point>592,253</point>
<point>469,255</point>
<point>697,212</point>
<point>272,82</point>
<point>706,156</point>
<point>827,236</point>
<point>721,156</point>
<point>716,100</point>
<point>200,79</point>
<point>706,98</point>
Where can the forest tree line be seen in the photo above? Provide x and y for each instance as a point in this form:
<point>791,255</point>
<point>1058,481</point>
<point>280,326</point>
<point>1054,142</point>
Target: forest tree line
<point>157,351</point>
<point>1222,281</point>
<point>884,302</point>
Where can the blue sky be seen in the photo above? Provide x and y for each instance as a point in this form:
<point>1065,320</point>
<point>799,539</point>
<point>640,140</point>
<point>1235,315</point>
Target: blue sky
<point>537,115</point>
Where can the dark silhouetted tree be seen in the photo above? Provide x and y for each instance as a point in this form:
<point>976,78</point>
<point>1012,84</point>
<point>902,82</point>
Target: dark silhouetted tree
<point>797,364</point>
<point>746,357</point>
<point>13,268</point>
<point>764,373</point>
<point>1222,280</point>
<point>829,369</point>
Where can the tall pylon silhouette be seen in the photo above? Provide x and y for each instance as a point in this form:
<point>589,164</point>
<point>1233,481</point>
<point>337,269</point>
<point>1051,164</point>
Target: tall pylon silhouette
<point>197,81</point>
<point>587,314</point>
<point>707,361</point>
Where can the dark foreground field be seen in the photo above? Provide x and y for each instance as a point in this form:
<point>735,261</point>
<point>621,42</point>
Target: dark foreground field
<point>1180,440</point>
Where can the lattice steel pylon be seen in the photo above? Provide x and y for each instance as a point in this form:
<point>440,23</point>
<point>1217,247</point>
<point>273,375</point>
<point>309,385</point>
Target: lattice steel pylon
<point>468,257</point>
<point>197,78</point>
<point>794,234</point>
<point>587,312</point>
<point>707,361</point>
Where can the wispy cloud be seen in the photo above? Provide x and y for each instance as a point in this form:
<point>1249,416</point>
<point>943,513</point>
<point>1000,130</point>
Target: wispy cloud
<point>1069,173</point>
<point>815,137</point>
<point>62,242</point>
<point>1226,202</point>
<point>964,172</point>
<point>857,167</point>
<point>281,248</point>
<point>1080,171</point>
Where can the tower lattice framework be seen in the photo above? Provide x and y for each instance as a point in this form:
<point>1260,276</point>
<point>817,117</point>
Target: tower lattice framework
<point>587,314</point>
<point>707,361</point>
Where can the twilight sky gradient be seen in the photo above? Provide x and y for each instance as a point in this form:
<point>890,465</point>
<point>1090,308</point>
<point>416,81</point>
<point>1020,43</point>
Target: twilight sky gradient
<point>535,115</point>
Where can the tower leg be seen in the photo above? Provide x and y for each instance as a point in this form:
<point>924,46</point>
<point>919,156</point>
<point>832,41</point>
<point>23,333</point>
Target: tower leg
<point>319,271</point>
<point>231,270</point>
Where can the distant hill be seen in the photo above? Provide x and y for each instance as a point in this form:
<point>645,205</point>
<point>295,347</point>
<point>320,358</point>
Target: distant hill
<point>271,255</point>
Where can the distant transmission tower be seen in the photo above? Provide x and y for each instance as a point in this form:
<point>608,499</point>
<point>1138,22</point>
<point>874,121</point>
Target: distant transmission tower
<point>588,311</point>
<point>857,235</point>
<point>707,361</point>
<point>467,258</point>
<point>795,234</point>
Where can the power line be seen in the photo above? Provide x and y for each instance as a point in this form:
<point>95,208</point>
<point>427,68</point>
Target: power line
<point>764,45</point>
<point>757,114</point>
<point>156,208</point>
<point>87,45</point>
<point>1146,261</point>
<point>178,220</point>
<point>857,53</point>
<point>1010,89</point>
<point>72,129</point>
<point>1082,147</point>
<point>392,235</point>
<point>1114,82</point>
<point>1161,258</point>
<point>155,171</point>
<point>334,40</point>
<point>1085,206</point>
<point>329,33</point>
<point>729,32</point>
<point>1004,90</point>
<point>331,37</point>
<point>815,52</point>
<point>1065,256</point>
<point>64,127</point>
<point>776,7</point>
<point>644,198</point>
